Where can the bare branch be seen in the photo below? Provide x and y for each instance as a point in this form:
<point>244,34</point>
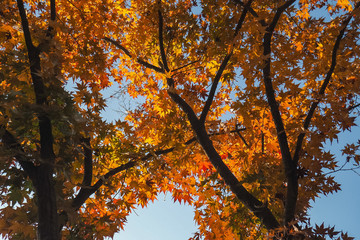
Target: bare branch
<point>350,108</point>
<point>139,60</point>
<point>238,130</point>
<point>343,169</point>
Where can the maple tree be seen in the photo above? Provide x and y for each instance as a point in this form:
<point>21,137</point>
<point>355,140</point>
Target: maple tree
<point>232,103</point>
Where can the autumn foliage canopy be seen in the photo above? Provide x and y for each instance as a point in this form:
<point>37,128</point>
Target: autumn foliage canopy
<point>224,104</point>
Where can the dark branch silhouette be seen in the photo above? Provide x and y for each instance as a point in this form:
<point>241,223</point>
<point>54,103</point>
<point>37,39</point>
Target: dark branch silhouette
<point>139,60</point>
<point>12,144</point>
<point>87,190</point>
<point>161,38</point>
<point>88,168</point>
<point>48,226</point>
<point>324,84</point>
<point>290,167</point>
<point>222,67</point>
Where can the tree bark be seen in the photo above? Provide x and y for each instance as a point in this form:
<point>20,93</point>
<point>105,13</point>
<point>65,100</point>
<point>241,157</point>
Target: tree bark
<point>48,227</point>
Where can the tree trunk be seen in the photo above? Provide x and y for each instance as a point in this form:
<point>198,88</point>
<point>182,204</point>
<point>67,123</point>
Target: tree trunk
<point>48,227</point>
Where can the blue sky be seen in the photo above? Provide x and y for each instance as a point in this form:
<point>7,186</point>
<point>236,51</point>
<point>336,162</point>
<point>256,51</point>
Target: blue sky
<point>164,219</point>
<point>342,208</point>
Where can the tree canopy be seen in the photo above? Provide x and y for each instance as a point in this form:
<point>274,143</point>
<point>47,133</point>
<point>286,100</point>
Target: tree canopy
<point>227,105</point>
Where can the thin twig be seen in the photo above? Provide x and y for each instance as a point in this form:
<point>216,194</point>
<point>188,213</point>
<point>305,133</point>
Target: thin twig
<point>139,60</point>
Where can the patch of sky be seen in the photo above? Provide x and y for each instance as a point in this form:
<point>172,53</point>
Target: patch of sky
<point>340,209</point>
<point>119,102</point>
<point>162,219</point>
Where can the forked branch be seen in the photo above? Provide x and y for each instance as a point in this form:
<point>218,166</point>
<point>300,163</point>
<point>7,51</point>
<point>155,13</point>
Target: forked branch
<point>252,12</point>
<point>87,190</point>
<point>258,208</point>
<point>46,137</point>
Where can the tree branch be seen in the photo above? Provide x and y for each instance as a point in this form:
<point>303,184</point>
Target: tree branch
<point>88,167</point>
<point>342,169</point>
<point>86,191</point>
<point>169,80</point>
<point>257,207</point>
<point>52,10</point>
<point>289,165</point>
<point>350,108</point>
<point>184,66</point>
<point>50,30</point>
<point>46,137</point>
<point>10,143</point>
<point>237,130</point>
<point>222,67</point>
<point>214,85</point>
<point>324,85</point>
<point>270,93</point>
<point>252,12</point>
<point>25,25</point>
<point>139,60</point>
<point>42,179</point>
<point>161,38</point>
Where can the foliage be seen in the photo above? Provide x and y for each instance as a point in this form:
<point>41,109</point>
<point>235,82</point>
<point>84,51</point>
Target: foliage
<point>231,105</point>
